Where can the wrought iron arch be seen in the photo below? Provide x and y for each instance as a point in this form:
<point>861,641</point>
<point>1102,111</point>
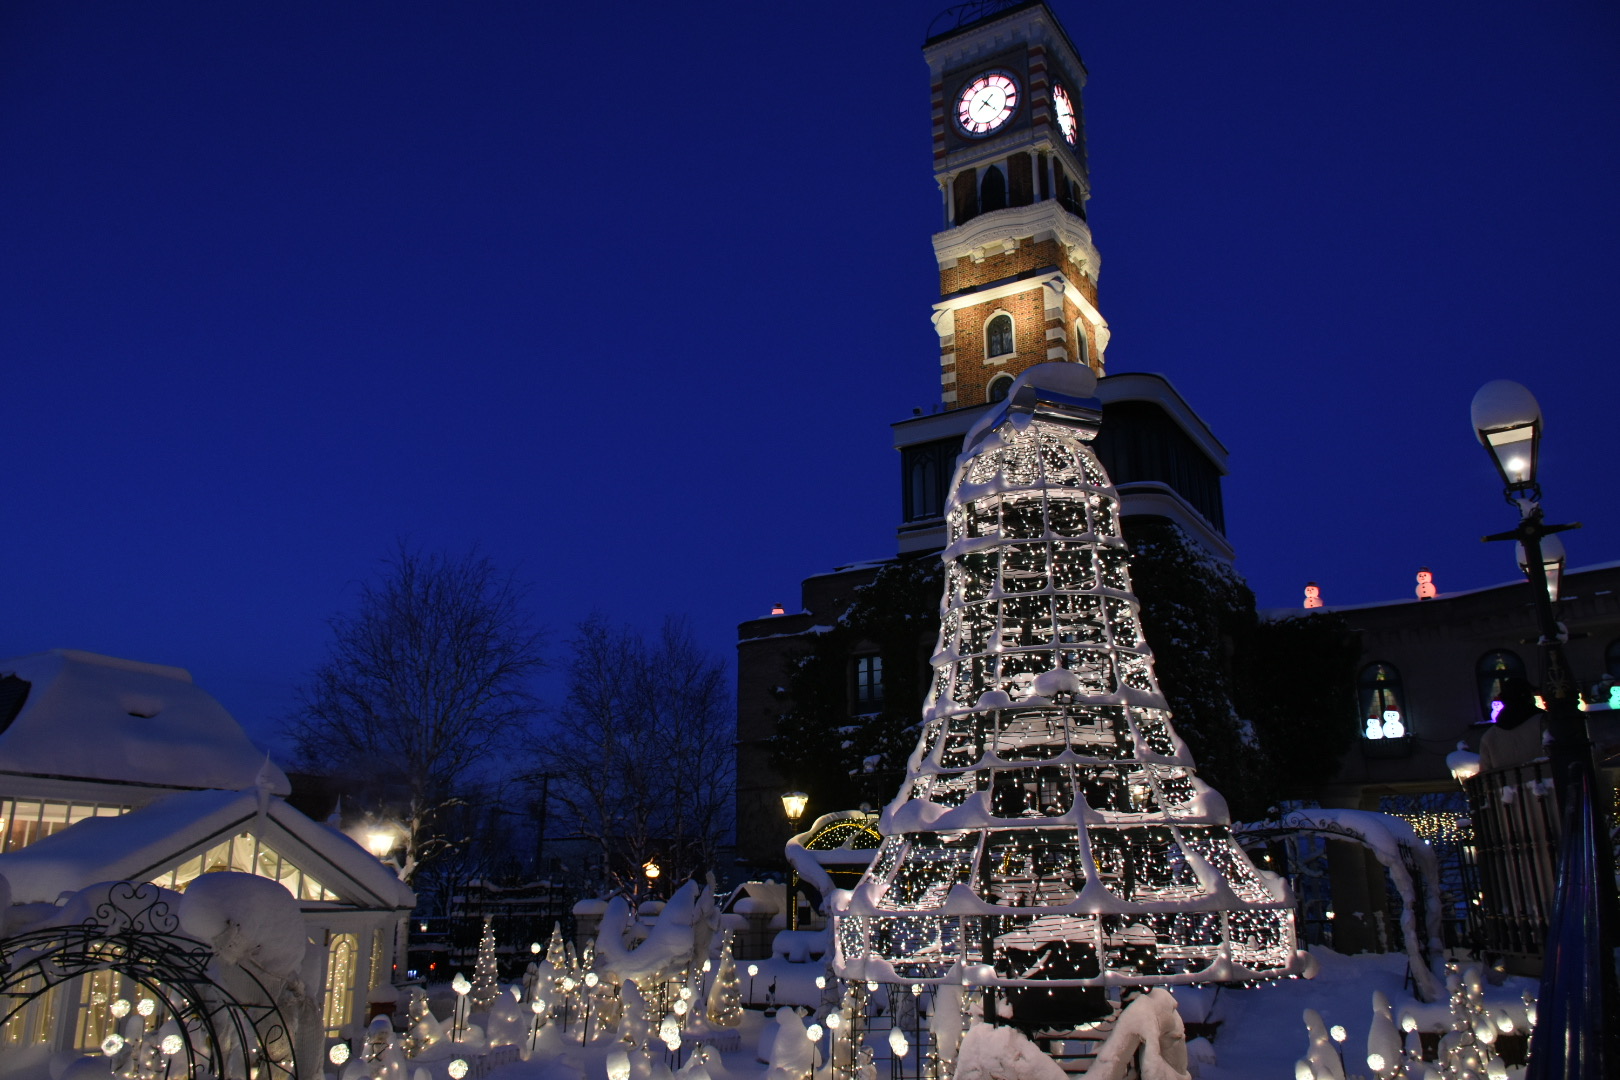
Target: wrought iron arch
<point>132,930</point>
<point>1408,867</point>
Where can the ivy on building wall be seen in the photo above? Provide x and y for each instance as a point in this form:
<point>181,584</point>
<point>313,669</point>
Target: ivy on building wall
<point>841,751</point>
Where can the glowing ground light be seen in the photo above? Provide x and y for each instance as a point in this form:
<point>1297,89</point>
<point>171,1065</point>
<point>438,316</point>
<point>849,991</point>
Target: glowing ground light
<point>1375,1062</point>
<point>898,1043</point>
<point>538,1005</point>
<point>591,979</point>
<point>834,1020</point>
<point>753,969</point>
<point>813,1032</point>
<point>146,1007</point>
<point>338,1054</point>
<point>534,947</point>
<point>112,1044</point>
<point>457,1069</point>
<point>170,1045</point>
<point>119,1008</point>
<point>1338,1033</point>
<point>681,1007</point>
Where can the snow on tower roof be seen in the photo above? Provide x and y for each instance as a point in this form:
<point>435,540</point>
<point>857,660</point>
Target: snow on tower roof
<point>152,840</point>
<point>102,718</point>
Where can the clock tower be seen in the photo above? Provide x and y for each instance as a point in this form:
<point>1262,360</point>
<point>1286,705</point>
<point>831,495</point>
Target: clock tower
<point>1017,269</point>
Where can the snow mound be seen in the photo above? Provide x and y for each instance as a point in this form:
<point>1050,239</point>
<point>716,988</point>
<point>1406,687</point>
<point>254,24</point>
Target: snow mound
<point>1003,1053</point>
<point>246,919</point>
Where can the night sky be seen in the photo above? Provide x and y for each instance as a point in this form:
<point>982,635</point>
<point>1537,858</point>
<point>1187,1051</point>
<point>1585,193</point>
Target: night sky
<point>628,295</point>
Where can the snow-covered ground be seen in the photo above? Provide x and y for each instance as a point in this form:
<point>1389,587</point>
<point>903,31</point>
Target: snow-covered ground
<point>1261,1034</point>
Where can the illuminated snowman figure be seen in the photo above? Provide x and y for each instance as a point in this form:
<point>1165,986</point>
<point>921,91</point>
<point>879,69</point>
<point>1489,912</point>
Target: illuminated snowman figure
<point>1313,595</point>
<point>1425,584</point>
<point>1052,838</point>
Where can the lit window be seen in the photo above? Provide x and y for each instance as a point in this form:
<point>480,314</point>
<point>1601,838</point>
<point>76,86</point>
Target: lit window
<point>999,388</point>
<point>998,336</point>
<point>868,679</point>
<point>246,854</point>
<point>1492,671</point>
<point>25,821</point>
<point>340,969</point>
<point>1383,714</point>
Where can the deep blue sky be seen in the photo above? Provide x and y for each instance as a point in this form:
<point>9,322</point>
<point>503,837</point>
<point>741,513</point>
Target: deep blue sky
<point>628,294</point>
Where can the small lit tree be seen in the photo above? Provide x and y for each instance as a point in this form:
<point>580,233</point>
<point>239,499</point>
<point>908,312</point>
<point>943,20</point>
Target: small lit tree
<point>556,951</point>
<point>486,979</point>
<point>725,996</point>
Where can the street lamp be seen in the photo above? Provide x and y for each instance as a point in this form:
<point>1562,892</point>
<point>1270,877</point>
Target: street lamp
<point>652,870</point>
<point>1575,1037</point>
<point>793,804</point>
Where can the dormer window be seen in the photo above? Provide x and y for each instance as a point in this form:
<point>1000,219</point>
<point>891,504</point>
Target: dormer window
<point>998,336</point>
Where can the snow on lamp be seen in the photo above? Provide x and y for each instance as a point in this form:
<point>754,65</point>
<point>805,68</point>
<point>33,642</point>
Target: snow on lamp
<point>1051,830</point>
<point>1507,422</point>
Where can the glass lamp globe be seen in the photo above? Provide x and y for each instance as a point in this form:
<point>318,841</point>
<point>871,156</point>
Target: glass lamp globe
<point>1507,422</point>
<point>793,804</point>
<point>1552,562</point>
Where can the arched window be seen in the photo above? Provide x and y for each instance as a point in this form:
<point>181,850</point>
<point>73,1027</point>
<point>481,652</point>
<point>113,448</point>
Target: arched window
<point>965,196</point>
<point>998,388</point>
<point>341,959</point>
<point>1383,706</point>
<point>998,336</point>
<point>1489,674</point>
<point>868,680</point>
<point>1082,347</point>
<point>924,480</point>
<point>993,195</point>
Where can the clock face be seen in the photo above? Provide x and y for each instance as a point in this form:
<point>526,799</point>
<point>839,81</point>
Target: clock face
<point>1064,108</point>
<point>986,103</point>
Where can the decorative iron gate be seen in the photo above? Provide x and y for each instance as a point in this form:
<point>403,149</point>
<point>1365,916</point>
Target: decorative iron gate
<point>131,930</point>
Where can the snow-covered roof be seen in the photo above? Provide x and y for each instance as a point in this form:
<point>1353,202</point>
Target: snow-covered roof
<point>153,839</point>
<point>101,718</point>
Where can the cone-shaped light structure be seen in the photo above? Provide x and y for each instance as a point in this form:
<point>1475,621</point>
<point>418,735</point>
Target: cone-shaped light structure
<point>1051,831</point>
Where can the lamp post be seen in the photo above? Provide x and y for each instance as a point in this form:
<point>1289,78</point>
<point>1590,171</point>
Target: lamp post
<point>1574,1037</point>
<point>793,804</point>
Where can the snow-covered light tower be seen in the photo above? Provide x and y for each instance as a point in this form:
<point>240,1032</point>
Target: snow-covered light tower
<point>1051,832</point>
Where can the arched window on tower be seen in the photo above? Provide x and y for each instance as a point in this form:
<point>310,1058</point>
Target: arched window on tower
<point>998,336</point>
<point>1491,671</point>
<point>965,196</point>
<point>1383,708</point>
<point>1082,346</point>
<point>993,195</point>
<point>998,389</point>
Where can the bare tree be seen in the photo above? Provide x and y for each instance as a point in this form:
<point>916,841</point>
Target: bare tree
<point>640,753</point>
<point>424,682</point>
